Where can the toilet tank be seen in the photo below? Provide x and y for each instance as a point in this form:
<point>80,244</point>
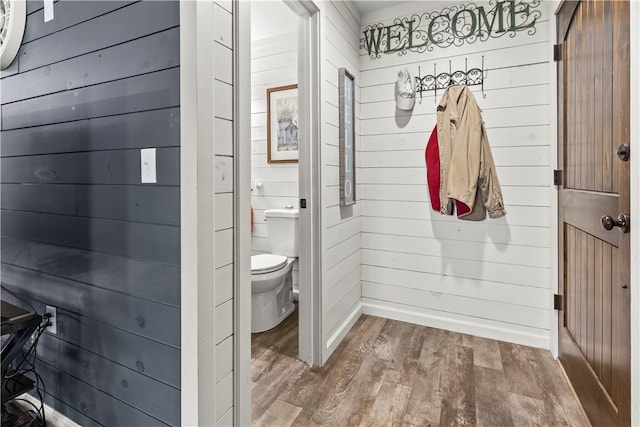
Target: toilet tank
<point>282,231</point>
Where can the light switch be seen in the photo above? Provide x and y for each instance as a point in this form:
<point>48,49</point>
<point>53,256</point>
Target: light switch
<point>148,165</point>
<point>48,10</point>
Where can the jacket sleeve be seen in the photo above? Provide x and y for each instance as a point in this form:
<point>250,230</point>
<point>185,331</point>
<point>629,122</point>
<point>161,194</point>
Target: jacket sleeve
<point>488,180</point>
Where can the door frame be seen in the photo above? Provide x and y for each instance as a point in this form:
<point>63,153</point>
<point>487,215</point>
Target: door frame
<point>554,337</point>
<point>635,203</point>
<point>242,207</point>
<point>197,242</point>
<point>309,188</point>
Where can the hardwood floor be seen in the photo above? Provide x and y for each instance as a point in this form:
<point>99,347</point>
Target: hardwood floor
<point>388,373</point>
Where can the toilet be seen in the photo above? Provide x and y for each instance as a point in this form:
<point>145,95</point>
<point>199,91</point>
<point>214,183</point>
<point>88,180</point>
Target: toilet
<point>271,279</point>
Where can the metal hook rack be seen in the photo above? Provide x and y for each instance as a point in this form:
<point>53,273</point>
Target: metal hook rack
<point>435,81</point>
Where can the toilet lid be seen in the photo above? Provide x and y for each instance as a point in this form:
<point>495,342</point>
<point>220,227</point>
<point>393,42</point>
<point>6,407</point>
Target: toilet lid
<point>266,263</point>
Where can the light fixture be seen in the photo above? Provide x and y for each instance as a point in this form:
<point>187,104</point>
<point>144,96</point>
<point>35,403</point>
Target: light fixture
<point>13,17</point>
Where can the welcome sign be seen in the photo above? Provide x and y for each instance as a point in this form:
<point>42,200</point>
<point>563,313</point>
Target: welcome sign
<point>450,26</point>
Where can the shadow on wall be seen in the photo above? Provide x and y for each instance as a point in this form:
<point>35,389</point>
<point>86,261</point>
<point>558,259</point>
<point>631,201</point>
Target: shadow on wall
<point>500,233</point>
<point>402,117</point>
<point>346,212</point>
<point>468,240</point>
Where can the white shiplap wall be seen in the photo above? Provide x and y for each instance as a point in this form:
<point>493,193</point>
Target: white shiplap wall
<point>492,278</point>
<point>341,246</point>
<point>224,187</point>
<point>207,190</point>
<point>274,63</point>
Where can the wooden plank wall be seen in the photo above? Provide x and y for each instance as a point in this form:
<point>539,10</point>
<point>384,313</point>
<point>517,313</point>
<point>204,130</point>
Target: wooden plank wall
<point>341,248</point>
<point>79,231</point>
<point>274,63</point>
<point>491,278</point>
<point>220,355</point>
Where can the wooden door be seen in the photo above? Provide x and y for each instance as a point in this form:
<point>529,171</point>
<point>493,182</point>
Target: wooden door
<point>594,263</point>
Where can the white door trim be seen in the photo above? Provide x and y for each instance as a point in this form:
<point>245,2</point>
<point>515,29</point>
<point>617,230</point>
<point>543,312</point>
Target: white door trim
<point>242,209</point>
<point>309,167</point>
<point>196,211</point>
<point>553,162</point>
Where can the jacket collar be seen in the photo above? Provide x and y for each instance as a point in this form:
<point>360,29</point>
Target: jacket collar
<point>452,96</point>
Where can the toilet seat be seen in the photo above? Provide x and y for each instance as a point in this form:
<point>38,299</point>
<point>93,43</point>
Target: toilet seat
<point>267,263</point>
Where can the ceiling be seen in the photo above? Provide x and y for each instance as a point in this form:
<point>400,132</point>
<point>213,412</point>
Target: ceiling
<point>366,6</point>
<point>272,17</point>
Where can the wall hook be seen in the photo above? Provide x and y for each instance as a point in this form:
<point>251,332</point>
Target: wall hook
<point>435,81</point>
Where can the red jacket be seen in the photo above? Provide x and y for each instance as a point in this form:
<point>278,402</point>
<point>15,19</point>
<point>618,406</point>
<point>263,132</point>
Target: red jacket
<point>432,158</point>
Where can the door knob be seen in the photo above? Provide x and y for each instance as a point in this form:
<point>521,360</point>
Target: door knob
<point>623,221</point>
<point>623,152</point>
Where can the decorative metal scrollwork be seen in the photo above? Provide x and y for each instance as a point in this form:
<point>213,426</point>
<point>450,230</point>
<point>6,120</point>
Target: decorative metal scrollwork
<point>434,82</point>
<point>450,26</point>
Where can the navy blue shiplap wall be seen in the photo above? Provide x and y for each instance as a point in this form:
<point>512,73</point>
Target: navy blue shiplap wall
<point>79,230</point>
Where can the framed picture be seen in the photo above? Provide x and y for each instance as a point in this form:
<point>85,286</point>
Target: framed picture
<point>282,124</point>
<point>347,135</point>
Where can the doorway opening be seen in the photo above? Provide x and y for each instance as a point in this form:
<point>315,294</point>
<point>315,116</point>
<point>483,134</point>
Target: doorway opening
<point>285,81</point>
<point>309,267</point>
<point>275,121</point>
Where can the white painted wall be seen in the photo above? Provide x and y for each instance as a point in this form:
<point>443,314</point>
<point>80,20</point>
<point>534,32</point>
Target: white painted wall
<point>341,246</point>
<point>493,278</point>
<point>273,64</point>
<point>224,193</point>
<point>207,211</point>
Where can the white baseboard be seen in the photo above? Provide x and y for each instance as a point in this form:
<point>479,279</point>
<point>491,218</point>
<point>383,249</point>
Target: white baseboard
<point>336,338</point>
<point>465,327</point>
<point>54,418</point>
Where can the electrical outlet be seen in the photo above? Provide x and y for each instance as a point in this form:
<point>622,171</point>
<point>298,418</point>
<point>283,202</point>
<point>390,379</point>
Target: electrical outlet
<point>53,328</point>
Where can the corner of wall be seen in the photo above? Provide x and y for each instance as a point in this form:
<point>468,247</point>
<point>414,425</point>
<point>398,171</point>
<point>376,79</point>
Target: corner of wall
<point>188,202</point>
<point>341,289</point>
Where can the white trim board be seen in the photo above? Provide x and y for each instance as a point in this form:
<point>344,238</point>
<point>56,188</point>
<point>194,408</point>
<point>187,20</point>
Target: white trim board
<point>434,320</point>
<point>553,162</point>
<point>310,264</point>
<point>242,235</point>
<point>336,338</point>
<point>188,216</point>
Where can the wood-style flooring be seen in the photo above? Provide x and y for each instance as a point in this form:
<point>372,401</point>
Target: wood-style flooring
<point>390,373</point>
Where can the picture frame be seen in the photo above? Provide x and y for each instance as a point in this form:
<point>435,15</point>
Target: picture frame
<point>347,137</point>
<point>282,124</point>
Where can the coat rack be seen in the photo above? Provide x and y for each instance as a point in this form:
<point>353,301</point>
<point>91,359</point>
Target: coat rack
<point>435,81</point>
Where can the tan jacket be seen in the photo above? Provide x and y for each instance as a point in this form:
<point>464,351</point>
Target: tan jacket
<point>466,164</point>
